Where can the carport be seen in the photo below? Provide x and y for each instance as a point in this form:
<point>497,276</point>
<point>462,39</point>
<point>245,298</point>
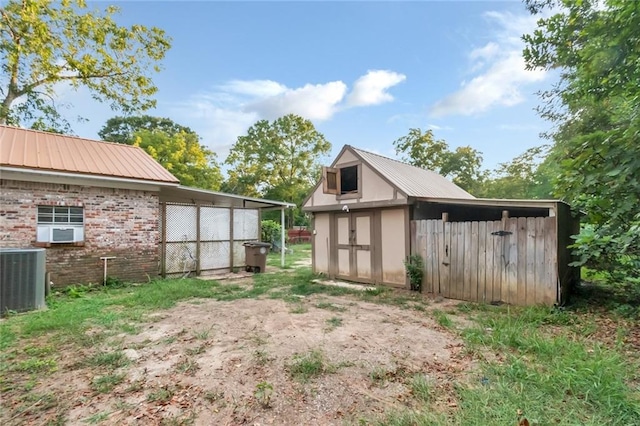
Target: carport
<point>203,231</point>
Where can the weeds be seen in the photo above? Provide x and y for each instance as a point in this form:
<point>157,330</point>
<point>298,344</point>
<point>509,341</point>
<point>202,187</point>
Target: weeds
<point>105,384</point>
<point>187,366</point>
<point>263,393</point>
<point>442,318</point>
<point>309,365</point>
<point>333,323</point>
<point>162,395</point>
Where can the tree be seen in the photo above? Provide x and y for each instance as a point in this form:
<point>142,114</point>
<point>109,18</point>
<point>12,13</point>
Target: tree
<point>182,154</point>
<point>277,159</point>
<point>44,43</point>
<point>462,166</point>
<point>527,176</point>
<point>596,110</point>
<point>123,129</point>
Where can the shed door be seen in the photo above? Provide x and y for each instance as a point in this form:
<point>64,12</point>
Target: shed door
<point>354,246</point>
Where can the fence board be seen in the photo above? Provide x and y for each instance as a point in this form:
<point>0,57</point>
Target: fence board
<point>482,265</point>
<point>511,258</point>
<point>521,282</point>
<point>530,230</point>
<point>445,268</point>
<point>459,282</point>
<point>437,232</point>
<point>428,255</point>
<point>540,260</point>
<point>551,276</point>
<point>472,254</point>
<point>499,264</point>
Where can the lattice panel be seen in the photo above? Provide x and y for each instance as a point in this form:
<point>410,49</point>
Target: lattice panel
<point>246,225</point>
<point>181,223</point>
<point>214,255</point>
<point>214,224</point>
<point>238,253</point>
<point>180,257</point>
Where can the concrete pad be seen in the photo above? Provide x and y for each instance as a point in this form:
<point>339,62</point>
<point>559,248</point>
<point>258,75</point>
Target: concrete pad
<point>343,284</point>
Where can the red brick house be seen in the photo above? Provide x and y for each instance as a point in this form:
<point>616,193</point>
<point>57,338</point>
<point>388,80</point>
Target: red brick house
<point>83,200</point>
<point>86,200</point>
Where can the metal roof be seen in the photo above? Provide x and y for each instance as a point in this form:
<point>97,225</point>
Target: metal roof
<point>498,202</point>
<point>188,195</point>
<point>411,180</point>
<point>36,150</point>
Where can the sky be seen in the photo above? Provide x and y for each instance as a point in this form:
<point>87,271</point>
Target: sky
<point>363,72</point>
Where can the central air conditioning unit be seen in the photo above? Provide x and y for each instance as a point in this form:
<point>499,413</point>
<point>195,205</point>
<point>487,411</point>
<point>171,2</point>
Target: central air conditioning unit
<point>63,234</point>
<point>22,275</point>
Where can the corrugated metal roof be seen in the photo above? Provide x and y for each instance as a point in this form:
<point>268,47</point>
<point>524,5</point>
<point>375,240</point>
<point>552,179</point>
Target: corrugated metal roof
<point>32,149</point>
<point>413,181</point>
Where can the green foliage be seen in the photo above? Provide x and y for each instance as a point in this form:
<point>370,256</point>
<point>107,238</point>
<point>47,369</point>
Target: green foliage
<point>270,231</point>
<point>548,371</point>
<point>527,176</point>
<point>123,129</point>
<point>277,160</point>
<point>308,365</point>
<point>105,384</point>
<point>183,156</point>
<point>462,165</point>
<point>596,112</point>
<point>263,393</point>
<point>414,266</point>
<point>44,43</point>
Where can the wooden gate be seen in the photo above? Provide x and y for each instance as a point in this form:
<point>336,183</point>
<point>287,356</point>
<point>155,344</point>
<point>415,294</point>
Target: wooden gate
<point>513,260</point>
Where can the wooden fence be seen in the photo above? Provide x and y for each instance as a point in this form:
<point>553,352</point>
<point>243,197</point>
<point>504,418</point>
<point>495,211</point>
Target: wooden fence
<point>513,260</point>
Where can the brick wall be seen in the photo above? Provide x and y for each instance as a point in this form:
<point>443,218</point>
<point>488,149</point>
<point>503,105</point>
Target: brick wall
<point>118,222</point>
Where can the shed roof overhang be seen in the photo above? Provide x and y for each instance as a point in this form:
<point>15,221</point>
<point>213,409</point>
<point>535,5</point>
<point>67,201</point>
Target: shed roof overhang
<point>495,202</point>
<point>185,194</point>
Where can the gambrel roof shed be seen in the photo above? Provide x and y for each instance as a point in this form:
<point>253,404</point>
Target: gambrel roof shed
<point>363,179</point>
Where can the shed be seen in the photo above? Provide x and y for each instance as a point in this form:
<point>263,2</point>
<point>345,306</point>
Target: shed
<point>90,202</point>
<point>370,213</point>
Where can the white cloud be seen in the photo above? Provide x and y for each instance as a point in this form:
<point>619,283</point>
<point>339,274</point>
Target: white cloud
<point>498,69</point>
<point>226,112</point>
<point>312,101</point>
<point>371,88</point>
<point>259,88</point>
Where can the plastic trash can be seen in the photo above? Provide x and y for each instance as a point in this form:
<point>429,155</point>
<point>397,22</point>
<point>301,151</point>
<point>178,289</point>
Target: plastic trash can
<point>255,253</point>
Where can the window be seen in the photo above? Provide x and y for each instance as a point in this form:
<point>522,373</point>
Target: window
<point>343,182</point>
<point>60,224</point>
<point>349,180</point>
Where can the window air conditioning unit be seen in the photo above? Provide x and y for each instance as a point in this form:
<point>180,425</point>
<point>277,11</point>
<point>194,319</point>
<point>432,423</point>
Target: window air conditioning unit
<point>63,234</point>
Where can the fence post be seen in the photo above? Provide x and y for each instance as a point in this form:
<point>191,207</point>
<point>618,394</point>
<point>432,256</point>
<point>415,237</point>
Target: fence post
<point>198,207</point>
<point>163,236</point>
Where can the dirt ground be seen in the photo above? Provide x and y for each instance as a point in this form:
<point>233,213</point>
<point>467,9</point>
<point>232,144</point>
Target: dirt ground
<point>208,362</point>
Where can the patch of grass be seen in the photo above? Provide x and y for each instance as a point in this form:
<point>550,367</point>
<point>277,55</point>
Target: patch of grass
<point>197,350</point>
<point>202,334</point>
<point>261,357</point>
<point>112,360</point>
<point>442,318</point>
<point>330,307</point>
<point>298,308</point>
<point>187,366</point>
<point>421,388</point>
<point>97,418</point>
<point>306,366</point>
<point>333,323</point>
<point>161,395</point>
<point>550,372</point>
<point>414,418</point>
<point>36,365</point>
<point>297,252</point>
<point>105,384</point>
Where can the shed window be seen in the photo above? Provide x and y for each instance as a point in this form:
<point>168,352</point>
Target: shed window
<point>349,180</point>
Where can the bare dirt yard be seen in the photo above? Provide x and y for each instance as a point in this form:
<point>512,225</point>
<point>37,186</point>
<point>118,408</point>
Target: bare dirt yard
<point>318,360</point>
